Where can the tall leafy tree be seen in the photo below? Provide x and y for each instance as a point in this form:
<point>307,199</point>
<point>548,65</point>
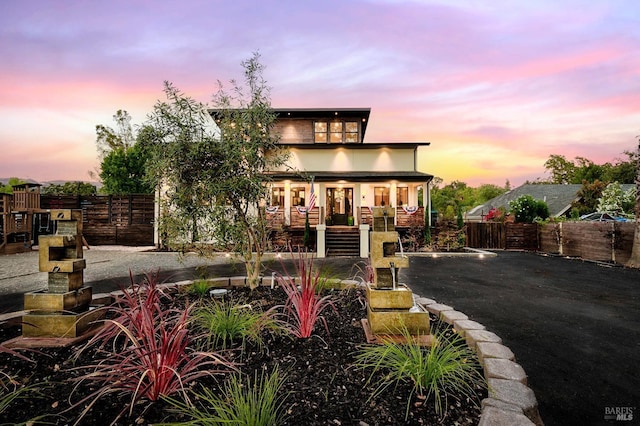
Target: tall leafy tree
<point>217,180</point>
<point>560,169</point>
<point>563,171</point>
<point>110,138</point>
<point>123,158</point>
<point>184,157</point>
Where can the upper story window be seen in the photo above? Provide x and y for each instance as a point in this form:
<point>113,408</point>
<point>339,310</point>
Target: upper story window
<point>335,131</point>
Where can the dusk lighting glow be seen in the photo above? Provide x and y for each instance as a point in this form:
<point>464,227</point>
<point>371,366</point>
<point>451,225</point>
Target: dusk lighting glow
<point>496,87</point>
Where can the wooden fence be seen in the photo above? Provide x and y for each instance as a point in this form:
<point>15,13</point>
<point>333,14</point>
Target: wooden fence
<point>506,236</point>
<point>598,241</point>
<point>110,219</point>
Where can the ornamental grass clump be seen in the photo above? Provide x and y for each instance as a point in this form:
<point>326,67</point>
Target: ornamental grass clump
<point>220,324</point>
<point>257,402</point>
<point>152,357</point>
<point>199,288</point>
<point>448,369</point>
<point>304,304</point>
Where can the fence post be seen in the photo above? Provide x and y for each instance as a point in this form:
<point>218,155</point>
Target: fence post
<point>613,242</point>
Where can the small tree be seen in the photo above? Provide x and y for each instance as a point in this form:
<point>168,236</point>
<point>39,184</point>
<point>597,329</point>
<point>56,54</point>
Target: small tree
<point>525,209</point>
<point>215,179</point>
<point>123,171</point>
<point>306,238</point>
<point>615,200</point>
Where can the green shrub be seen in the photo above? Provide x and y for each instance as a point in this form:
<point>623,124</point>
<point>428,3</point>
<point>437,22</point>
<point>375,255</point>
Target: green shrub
<point>526,209</point>
<point>447,369</point>
<point>199,288</point>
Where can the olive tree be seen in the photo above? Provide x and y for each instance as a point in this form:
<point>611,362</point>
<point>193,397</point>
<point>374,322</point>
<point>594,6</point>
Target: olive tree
<point>215,176</point>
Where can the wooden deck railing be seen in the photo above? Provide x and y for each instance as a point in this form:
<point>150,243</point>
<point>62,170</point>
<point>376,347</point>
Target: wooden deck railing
<point>298,217</point>
<point>404,219</point>
<point>25,200</point>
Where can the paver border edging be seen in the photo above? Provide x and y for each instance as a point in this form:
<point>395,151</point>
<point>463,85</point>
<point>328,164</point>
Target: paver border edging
<point>510,402</point>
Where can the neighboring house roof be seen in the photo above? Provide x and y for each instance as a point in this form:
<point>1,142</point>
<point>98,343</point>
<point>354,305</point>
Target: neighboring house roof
<point>557,197</point>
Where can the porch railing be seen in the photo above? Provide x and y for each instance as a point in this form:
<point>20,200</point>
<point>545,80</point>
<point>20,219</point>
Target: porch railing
<point>276,217</point>
<point>298,217</point>
<point>405,217</point>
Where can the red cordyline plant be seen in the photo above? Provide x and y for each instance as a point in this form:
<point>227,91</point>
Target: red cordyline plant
<point>153,358</point>
<point>304,303</point>
<point>145,295</point>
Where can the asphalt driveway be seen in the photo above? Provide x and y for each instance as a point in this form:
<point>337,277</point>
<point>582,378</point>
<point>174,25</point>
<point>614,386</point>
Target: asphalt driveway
<point>574,326</point>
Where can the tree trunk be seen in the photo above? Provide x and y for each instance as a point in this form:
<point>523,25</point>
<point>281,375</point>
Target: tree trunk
<point>634,260</point>
<point>253,271</point>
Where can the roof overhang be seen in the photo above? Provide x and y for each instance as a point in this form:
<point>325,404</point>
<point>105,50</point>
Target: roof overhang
<point>372,145</point>
<point>323,176</point>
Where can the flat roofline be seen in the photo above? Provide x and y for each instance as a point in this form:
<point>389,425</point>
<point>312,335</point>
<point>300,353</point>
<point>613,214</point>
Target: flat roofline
<point>363,145</point>
<point>324,176</point>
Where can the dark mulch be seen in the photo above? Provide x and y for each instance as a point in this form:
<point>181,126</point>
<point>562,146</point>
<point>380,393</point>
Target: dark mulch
<point>324,388</point>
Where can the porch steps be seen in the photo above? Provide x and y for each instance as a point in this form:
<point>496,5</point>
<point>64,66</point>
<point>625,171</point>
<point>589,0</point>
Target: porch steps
<point>343,241</point>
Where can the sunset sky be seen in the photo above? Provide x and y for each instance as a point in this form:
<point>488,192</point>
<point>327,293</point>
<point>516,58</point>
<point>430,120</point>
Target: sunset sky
<point>495,86</point>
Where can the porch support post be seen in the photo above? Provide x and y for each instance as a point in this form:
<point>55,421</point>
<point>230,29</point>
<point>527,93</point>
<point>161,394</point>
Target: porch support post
<point>321,231</point>
<point>287,203</point>
<point>364,240</point>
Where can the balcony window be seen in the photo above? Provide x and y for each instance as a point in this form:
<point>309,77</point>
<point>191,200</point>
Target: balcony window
<point>320,131</point>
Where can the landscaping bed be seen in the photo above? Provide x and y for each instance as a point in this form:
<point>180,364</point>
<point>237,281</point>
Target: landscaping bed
<point>321,383</point>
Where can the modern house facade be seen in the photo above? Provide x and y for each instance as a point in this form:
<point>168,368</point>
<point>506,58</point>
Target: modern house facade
<point>331,164</point>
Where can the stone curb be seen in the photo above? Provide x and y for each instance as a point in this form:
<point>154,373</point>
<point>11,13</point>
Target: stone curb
<point>510,401</point>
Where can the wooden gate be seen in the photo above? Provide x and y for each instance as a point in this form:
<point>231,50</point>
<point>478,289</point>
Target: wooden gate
<point>505,236</point>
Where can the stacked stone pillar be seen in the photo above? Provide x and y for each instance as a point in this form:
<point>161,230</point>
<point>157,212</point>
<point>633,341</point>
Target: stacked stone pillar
<point>390,304</point>
<point>62,310</point>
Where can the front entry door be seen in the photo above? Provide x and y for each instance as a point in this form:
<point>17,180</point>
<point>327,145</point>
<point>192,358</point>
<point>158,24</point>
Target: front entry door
<point>339,205</point>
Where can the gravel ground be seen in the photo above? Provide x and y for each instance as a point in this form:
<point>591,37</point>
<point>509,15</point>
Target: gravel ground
<point>19,272</point>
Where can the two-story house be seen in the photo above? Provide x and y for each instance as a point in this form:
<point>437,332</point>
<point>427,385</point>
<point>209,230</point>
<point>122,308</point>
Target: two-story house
<point>349,178</point>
